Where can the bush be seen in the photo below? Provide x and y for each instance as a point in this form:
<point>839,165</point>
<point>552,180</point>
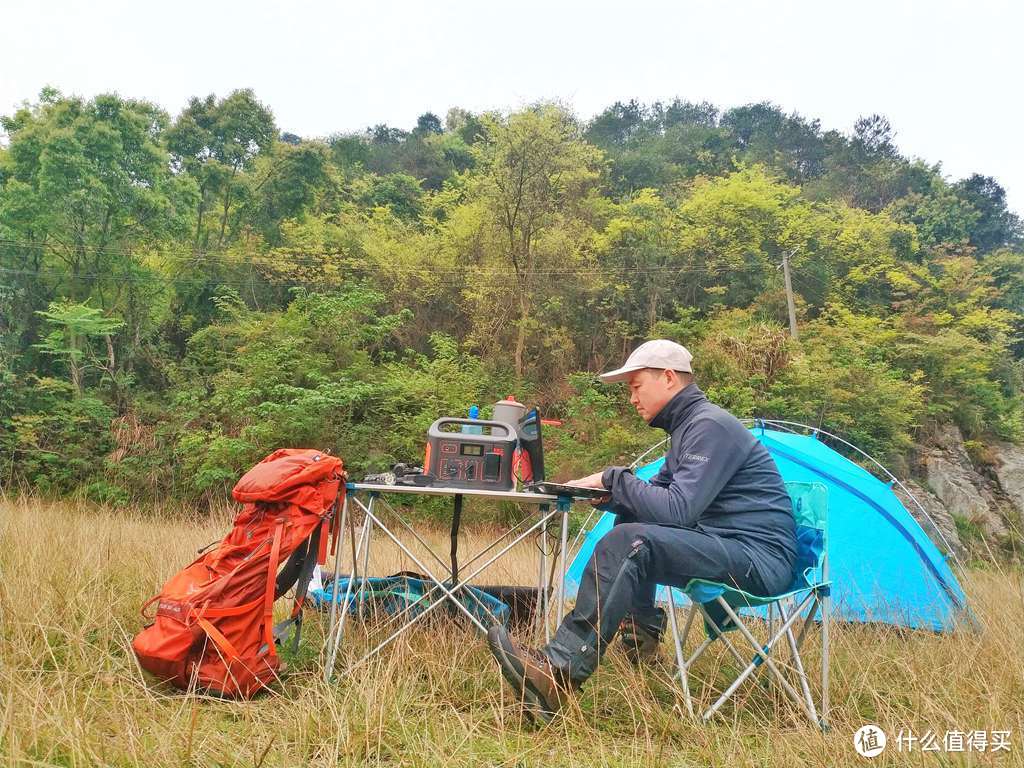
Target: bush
<point>840,381</point>
<point>55,440</point>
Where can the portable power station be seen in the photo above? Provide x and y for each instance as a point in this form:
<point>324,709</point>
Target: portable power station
<point>471,453</point>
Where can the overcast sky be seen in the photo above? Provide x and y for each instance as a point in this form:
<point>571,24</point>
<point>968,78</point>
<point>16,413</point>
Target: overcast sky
<point>946,74</point>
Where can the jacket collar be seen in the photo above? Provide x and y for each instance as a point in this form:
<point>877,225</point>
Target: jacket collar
<point>676,410</point>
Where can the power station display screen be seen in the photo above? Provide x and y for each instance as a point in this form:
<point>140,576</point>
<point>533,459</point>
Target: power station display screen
<point>467,449</point>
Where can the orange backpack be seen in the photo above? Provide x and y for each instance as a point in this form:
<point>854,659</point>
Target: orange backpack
<point>213,626</point>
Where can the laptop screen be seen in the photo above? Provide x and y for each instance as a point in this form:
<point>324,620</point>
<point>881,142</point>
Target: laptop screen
<point>532,442</point>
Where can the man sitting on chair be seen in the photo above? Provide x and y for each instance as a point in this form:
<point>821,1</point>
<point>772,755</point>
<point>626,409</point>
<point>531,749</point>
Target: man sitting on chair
<point>717,510</point>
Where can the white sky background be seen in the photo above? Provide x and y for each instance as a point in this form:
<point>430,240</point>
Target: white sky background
<point>946,74</point>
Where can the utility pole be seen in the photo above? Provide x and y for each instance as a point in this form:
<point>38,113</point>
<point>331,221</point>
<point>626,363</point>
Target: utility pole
<point>789,294</point>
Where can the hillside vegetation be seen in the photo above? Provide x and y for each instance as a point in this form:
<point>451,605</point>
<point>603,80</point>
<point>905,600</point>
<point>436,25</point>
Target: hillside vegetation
<point>179,296</point>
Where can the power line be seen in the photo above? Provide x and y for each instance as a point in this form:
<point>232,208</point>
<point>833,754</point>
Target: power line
<point>193,281</point>
<point>447,279</point>
<point>317,259</point>
<point>806,286</point>
<point>824,283</point>
<point>453,279</point>
<point>443,276</point>
<point>450,279</point>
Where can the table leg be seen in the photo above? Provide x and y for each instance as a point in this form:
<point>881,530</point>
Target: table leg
<point>338,549</point>
<point>469,594</point>
<point>365,571</point>
<point>563,507</point>
<point>337,633</point>
<point>538,615</point>
<point>449,593</point>
<point>456,521</point>
<point>544,604</point>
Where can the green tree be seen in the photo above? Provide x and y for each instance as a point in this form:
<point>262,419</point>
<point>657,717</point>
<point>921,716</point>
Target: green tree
<point>995,226</point>
<point>660,145</point>
<point>253,381</point>
<point>841,379</point>
<point>84,181</point>
<point>428,123</point>
<point>73,328</point>
<point>399,192</point>
<point>534,173</point>
<point>939,215</point>
<point>53,440</point>
<point>176,302</point>
<point>733,231</point>
<point>215,142</point>
<point>86,198</point>
<point>788,144</point>
<point>639,245</point>
<point>288,181</point>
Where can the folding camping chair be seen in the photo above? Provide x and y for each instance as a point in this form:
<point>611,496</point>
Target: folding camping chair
<point>720,605</point>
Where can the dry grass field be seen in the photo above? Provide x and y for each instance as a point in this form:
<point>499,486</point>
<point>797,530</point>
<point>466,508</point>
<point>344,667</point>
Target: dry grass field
<point>72,580</point>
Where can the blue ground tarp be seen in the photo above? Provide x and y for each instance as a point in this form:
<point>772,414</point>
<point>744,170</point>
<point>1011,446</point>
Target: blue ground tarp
<point>395,594</point>
<point>884,568</point>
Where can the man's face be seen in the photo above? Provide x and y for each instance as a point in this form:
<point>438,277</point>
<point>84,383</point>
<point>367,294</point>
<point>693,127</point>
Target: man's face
<point>650,389</point>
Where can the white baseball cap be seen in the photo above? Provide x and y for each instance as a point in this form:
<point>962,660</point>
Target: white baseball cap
<point>659,353</point>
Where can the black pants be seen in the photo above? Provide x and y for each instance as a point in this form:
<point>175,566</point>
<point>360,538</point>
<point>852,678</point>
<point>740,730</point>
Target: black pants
<point>623,573</point>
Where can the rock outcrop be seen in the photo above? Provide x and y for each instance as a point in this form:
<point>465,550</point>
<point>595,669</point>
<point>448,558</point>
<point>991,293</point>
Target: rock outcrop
<point>1008,466</point>
<point>951,476</point>
<point>936,521</point>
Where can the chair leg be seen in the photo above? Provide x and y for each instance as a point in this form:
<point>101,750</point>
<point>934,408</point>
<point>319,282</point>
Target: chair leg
<point>798,663</point>
<point>721,635</point>
<point>763,654</point>
<point>823,603</point>
<point>680,661</point>
<point>749,667</point>
<point>826,607</point>
<point>704,645</point>
<point>808,620</point>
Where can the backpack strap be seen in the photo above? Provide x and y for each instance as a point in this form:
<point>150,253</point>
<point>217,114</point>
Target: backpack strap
<point>148,603</point>
<point>325,534</point>
<point>268,600</point>
<point>219,640</point>
<point>336,532</point>
<point>234,610</point>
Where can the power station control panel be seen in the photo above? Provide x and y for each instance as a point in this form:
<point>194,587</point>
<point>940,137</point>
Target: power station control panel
<point>481,458</point>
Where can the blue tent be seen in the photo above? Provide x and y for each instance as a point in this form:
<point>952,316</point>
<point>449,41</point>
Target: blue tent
<point>884,568</point>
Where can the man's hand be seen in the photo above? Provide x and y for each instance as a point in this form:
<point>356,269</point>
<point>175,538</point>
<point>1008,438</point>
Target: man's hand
<point>592,481</point>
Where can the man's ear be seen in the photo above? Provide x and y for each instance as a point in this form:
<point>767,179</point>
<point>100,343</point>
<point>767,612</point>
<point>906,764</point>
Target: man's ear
<point>674,378</point>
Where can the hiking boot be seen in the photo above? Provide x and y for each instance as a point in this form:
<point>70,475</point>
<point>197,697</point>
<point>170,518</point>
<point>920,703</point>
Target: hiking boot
<point>641,635</point>
<point>543,688</point>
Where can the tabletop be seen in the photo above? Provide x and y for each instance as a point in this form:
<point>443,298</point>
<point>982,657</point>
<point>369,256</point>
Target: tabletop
<point>437,490</point>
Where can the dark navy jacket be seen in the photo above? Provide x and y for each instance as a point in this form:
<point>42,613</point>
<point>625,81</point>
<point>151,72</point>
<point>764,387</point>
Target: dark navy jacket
<point>718,479</point>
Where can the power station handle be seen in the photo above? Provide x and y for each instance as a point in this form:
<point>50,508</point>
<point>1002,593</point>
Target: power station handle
<point>506,429</point>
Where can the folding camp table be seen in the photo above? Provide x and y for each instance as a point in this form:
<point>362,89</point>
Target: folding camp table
<point>448,584</point>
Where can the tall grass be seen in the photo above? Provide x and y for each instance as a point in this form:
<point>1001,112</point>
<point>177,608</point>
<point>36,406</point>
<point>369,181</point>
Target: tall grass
<point>71,693</point>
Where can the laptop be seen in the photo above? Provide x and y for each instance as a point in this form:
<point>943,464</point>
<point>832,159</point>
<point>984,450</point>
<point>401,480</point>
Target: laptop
<point>531,440</point>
